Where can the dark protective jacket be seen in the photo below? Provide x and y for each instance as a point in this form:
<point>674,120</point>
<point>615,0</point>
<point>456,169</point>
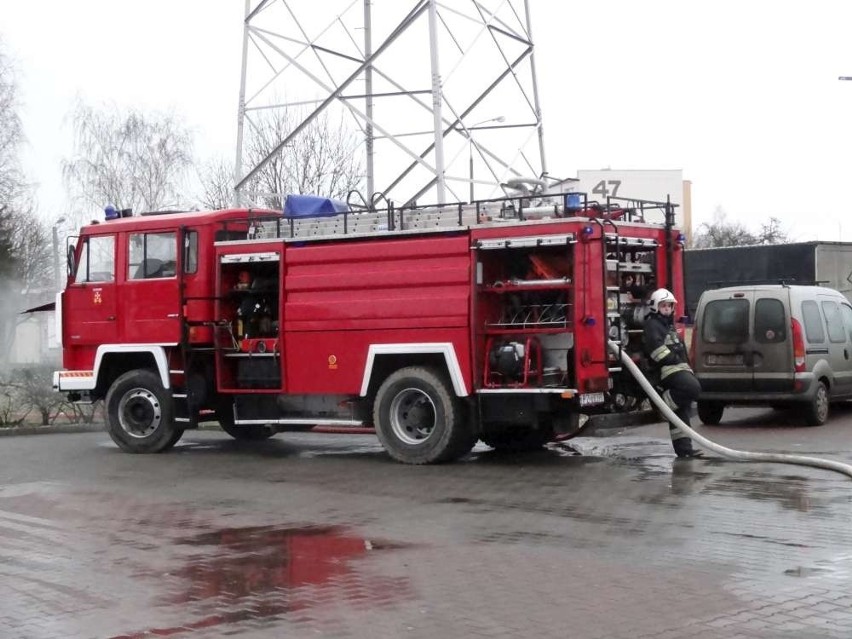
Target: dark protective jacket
<point>665,350</point>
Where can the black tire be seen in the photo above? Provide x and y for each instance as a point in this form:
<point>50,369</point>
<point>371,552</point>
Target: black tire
<point>418,418</point>
<point>517,439</point>
<point>816,411</point>
<point>247,433</point>
<point>710,413</point>
<point>140,413</point>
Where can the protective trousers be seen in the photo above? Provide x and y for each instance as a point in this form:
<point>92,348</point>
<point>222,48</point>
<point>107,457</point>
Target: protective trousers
<point>681,389</point>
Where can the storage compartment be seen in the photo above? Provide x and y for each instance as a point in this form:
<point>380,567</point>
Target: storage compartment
<point>258,372</point>
<point>525,295</point>
<point>513,363</point>
<point>249,304</point>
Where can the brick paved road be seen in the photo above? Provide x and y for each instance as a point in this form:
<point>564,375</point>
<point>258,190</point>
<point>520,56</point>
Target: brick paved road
<point>309,535</point>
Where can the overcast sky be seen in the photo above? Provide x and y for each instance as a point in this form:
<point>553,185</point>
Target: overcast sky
<point>743,96</point>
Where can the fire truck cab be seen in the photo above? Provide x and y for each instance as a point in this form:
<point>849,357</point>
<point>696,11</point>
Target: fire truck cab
<point>439,325</point>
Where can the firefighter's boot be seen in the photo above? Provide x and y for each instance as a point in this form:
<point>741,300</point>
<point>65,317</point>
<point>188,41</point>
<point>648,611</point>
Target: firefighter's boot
<point>681,442</point>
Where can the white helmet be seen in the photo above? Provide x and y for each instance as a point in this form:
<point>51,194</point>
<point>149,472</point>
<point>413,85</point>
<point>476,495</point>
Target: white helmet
<point>660,295</point>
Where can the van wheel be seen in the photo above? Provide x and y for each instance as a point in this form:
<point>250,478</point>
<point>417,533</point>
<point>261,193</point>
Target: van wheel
<point>710,413</point>
<point>139,413</point>
<point>418,418</point>
<point>816,412</point>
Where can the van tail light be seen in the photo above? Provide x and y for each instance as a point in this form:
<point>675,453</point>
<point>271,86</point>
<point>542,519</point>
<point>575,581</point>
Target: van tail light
<point>798,346</point>
<point>692,347</point>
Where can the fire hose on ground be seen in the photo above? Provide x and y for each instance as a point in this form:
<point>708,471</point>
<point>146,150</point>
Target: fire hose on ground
<point>729,453</point>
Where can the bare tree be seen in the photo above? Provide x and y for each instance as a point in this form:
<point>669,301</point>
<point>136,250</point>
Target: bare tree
<point>217,185</point>
<point>33,249</point>
<point>10,404</point>
<point>772,233</point>
<point>9,284</point>
<point>721,232</point>
<point>130,160</point>
<point>26,391</point>
<point>36,393</point>
<point>25,252</point>
<point>11,135</point>
<point>323,159</point>
<point>78,413</point>
<point>8,257</point>
<point>13,194</point>
<point>29,281</point>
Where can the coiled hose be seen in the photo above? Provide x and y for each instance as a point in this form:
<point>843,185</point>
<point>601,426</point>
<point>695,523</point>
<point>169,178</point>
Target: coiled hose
<point>730,453</point>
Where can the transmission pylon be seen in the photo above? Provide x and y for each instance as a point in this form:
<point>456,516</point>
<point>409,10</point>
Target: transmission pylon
<point>444,94</point>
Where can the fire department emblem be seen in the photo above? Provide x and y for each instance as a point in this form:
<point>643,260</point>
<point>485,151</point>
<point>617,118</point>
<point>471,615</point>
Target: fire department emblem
<point>96,296</point>
<point>332,362</point>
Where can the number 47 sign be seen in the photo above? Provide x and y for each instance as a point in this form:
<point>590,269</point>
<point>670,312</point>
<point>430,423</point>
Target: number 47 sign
<point>633,185</point>
<point>607,188</point>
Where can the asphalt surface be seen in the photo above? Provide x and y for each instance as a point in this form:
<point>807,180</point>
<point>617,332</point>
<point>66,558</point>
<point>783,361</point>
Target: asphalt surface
<point>311,535</point>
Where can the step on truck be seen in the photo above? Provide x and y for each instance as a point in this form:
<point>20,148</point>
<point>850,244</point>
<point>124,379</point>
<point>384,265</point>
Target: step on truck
<point>437,325</point>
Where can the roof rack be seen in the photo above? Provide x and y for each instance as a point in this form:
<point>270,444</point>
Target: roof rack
<point>366,219</point>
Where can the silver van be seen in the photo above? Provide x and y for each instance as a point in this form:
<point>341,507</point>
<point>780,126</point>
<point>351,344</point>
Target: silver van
<point>776,345</point>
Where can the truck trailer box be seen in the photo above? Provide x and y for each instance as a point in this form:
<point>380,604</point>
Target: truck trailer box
<point>826,263</point>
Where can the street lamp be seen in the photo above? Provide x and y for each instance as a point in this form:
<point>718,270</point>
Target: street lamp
<point>56,281</point>
<point>499,118</point>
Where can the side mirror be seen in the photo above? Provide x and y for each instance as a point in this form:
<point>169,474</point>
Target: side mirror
<point>71,265</point>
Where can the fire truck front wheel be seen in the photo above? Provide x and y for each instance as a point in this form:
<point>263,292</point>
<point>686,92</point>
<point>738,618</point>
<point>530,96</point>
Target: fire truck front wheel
<point>419,420</point>
<point>139,413</point>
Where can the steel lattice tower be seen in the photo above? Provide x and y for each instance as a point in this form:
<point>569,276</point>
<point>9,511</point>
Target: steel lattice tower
<point>443,94</point>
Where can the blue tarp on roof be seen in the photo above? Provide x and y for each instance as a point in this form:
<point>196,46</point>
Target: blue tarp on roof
<point>312,206</point>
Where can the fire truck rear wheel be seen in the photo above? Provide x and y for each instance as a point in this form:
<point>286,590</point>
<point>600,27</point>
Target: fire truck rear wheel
<point>139,413</point>
<point>418,418</point>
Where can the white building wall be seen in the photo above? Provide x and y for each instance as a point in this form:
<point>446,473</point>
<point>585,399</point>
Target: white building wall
<point>650,184</point>
<point>35,340</point>
<point>26,348</point>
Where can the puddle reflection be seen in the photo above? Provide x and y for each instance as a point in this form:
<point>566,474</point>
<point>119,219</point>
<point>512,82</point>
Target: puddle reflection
<point>262,572</point>
<point>248,561</point>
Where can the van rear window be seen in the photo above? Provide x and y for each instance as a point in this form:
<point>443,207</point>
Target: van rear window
<point>770,325</point>
<point>725,322</point>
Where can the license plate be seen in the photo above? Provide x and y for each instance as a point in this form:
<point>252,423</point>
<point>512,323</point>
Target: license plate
<point>590,399</point>
<point>726,360</point>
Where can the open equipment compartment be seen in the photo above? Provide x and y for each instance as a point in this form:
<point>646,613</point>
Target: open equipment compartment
<point>525,305</point>
<point>249,352</point>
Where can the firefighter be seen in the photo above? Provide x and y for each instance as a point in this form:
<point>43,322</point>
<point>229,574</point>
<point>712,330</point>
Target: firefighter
<point>669,364</point>
<point>633,287</point>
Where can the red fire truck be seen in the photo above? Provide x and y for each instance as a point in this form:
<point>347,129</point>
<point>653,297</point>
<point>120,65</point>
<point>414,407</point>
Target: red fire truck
<point>438,325</point>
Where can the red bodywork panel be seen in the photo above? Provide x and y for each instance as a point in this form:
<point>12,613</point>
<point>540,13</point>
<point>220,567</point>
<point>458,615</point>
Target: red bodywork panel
<point>338,302</point>
<point>338,299</point>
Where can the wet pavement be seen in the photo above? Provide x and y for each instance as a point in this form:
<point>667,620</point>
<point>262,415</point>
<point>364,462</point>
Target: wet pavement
<point>312,535</point>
